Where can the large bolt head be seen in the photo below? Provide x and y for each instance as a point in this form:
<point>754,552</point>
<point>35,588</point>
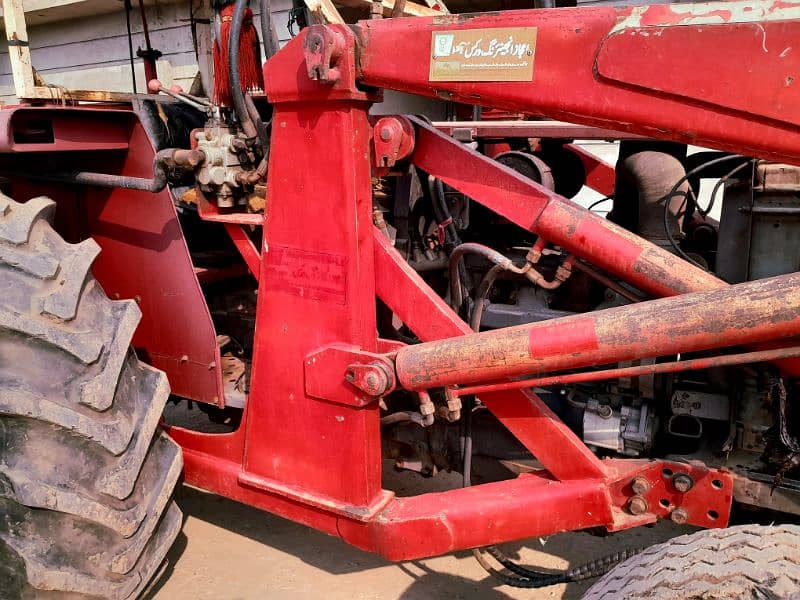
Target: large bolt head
<point>386,133</point>
<point>682,482</point>
<point>640,486</point>
<point>679,516</point>
<point>637,505</point>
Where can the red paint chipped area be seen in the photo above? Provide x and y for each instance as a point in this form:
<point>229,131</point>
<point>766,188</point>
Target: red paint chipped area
<point>664,15</point>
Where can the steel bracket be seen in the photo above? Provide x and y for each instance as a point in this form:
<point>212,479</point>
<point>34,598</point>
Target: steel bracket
<point>348,375</point>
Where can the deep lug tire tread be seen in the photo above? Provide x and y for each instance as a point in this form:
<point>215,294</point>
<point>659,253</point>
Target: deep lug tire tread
<point>86,480</point>
<point>746,561</point>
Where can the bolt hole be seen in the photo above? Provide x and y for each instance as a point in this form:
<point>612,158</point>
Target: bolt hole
<point>716,483</point>
<point>666,472</point>
<point>664,502</point>
<point>713,515</point>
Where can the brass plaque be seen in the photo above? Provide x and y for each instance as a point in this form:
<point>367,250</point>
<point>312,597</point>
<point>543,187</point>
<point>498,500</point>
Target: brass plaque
<point>498,54</point>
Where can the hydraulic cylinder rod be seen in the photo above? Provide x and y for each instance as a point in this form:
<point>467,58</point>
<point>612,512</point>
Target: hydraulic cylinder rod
<point>748,313</point>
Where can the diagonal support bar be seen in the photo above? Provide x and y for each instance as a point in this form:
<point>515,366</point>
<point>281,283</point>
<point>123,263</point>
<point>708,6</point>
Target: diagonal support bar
<point>524,414</point>
<point>555,218</point>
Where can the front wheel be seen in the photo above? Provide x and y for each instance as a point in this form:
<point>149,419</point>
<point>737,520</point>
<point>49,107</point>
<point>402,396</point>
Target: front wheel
<point>86,478</point>
<point>747,561</point>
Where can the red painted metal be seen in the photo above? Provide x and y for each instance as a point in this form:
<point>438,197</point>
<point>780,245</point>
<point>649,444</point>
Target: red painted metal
<point>712,491</point>
<point>560,221</point>
<point>638,371</point>
<point>246,248</point>
<point>318,289</point>
<point>208,211</point>
<point>25,129</point>
<point>686,323</point>
<point>600,176</point>
<point>144,254</point>
<point>564,223</point>
<point>524,414</point>
<point>310,451</point>
<point>393,140</point>
<point>597,66</point>
<point>531,129</point>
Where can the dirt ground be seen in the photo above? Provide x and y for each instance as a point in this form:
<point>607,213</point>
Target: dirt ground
<point>229,551</point>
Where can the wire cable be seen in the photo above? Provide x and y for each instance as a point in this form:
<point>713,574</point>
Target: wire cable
<point>674,192</point>
<point>719,184</point>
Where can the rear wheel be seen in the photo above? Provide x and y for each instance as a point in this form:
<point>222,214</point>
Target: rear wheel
<point>747,561</point>
<point>86,479</point>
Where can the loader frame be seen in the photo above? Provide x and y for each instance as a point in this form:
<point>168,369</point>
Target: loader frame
<point>309,445</point>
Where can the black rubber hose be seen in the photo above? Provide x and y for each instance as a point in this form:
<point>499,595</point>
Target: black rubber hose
<point>234,78</point>
<point>442,214</point>
<point>268,36</point>
<point>527,578</point>
<point>163,160</point>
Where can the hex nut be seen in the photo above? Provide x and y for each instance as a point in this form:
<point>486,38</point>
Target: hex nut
<point>427,408</point>
<point>640,486</point>
<point>682,482</point>
<point>637,505</point>
<point>679,516</point>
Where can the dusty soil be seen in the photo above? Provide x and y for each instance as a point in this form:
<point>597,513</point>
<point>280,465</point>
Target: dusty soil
<point>229,551</point>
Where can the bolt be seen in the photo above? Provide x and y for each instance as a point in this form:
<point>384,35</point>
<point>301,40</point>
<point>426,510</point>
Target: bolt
<point>372,384</point>
<point>605,411</point>
<point>386,133</point>
<point>637,505</point>
<point>679,516</point>
<point>427,408</point>
<point>640,486</point>
<point>682,482</point>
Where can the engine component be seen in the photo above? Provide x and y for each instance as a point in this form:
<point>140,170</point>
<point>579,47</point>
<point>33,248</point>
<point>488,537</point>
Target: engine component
<point>218,173</point>
<point>756,220</point>
<point>644,180</point>
<point>528,165</point>
<point>629,430</point>
<point>702,405</point>
<point>531,306</point>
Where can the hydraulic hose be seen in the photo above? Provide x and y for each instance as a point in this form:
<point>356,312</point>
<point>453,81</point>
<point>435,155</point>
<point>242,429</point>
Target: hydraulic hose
<point>237,95</point>
<point>165,159</point>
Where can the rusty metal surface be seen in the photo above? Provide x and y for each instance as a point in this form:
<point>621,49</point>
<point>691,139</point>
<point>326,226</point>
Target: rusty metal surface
<point>638,371</point>
<point>596,66</point>
<point>531,129</point>
<point>758,311</point>
<point>556,219</point>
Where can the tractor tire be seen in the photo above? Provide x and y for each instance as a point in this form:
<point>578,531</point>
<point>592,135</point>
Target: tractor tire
<point>86,478</point>
<point>746,561</point>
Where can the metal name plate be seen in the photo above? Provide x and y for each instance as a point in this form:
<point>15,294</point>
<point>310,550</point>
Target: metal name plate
<point>499,54</point>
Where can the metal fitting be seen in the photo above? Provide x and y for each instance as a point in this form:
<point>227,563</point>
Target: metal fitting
<point>372,379</point>
<point>393,140</point>
<point>453,412</point>
<point>426,408</point>
<point>679,516</point>
<point>637,505</point>
<point>640,486</point>
<point>682,482</point>
<point>604,411</point>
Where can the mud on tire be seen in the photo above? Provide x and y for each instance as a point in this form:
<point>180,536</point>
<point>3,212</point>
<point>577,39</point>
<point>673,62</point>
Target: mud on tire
<point>86,479</point>
<point>747,561</point>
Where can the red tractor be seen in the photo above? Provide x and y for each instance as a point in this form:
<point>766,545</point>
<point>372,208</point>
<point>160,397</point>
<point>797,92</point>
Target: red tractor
<point>335,290</point>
